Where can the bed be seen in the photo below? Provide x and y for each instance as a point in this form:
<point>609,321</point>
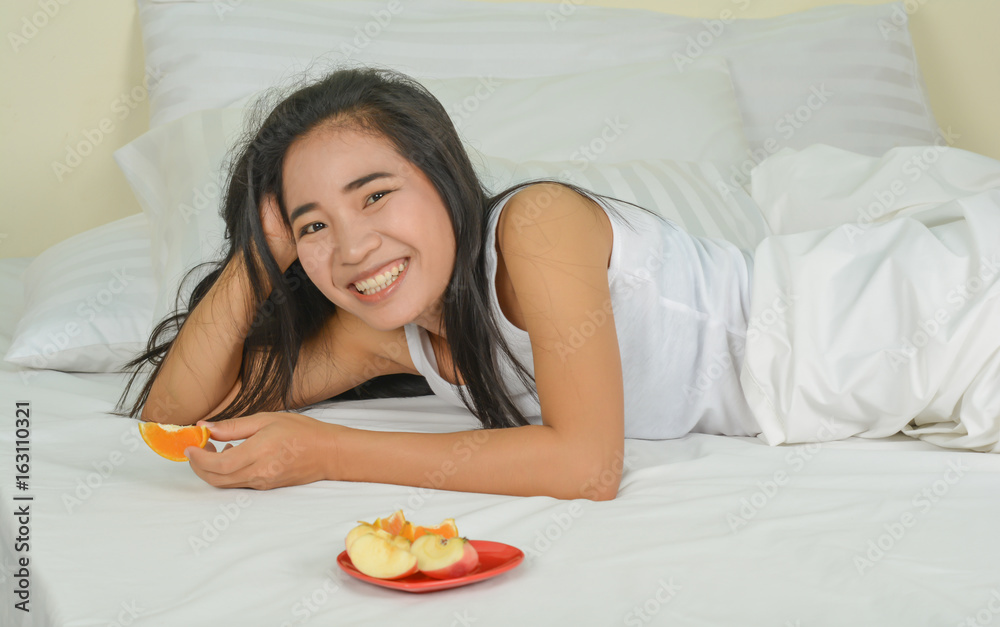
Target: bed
<point>705,530</point>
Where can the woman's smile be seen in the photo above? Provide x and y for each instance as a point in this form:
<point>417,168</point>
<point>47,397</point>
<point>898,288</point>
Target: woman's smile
<point>382,285</point>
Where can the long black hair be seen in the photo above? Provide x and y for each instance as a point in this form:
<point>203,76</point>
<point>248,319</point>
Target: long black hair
<point>401,110</point>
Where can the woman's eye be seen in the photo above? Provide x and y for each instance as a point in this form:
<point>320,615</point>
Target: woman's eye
<point>305,229</point>
<point>380,195</point>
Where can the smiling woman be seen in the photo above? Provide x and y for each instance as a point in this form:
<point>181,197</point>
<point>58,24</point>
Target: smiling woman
<point>358,230</point>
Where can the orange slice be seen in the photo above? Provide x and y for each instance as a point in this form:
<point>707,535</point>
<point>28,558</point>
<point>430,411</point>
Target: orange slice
<point>447,529</point>
<point>393,524</point>
<point>407,531</point>
<point>170,440</point>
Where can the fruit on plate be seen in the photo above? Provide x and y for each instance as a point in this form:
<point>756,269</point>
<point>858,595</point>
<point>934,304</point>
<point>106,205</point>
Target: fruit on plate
<point>170,440</point>
<point>438,551</point>
<point>444,558</point>
<point>379,555</point>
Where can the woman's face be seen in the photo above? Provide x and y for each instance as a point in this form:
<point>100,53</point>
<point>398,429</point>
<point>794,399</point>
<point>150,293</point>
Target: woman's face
<point>358,209</point>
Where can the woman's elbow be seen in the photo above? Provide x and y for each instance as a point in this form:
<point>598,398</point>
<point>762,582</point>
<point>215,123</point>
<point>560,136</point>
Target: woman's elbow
<point>599,484</point>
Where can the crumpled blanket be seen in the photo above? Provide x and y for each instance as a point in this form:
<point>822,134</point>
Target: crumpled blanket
<point>875,306</point>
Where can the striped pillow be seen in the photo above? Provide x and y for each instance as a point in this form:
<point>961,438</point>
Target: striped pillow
<point>88,301</point>
<point>691,194</point>
<point>844,75</point>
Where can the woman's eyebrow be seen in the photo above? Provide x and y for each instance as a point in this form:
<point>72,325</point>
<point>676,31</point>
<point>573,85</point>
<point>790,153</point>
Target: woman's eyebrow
<point>353,185</point>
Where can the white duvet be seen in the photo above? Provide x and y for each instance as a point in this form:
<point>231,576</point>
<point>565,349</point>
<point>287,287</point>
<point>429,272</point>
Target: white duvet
<point>875,306</point>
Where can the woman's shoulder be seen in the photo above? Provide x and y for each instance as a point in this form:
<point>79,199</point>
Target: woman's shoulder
<point>535,217</point>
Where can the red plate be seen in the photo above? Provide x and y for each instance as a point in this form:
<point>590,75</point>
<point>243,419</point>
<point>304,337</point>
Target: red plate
<point>494,558</point>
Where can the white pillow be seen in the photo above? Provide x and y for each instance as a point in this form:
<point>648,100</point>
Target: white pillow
<point>844,75</point>
<point>847,75</point>
<point>209,55</point>
<point>88,301</point>
<point>686,116</point>
<point>168,165</point>
<point>691,194</point>
<point>637,111</point>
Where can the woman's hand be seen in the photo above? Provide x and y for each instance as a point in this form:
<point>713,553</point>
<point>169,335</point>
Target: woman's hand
<point>281,449</point>
<point>279,240</point>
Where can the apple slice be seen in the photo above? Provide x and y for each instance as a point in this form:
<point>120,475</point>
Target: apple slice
<point>361,530</point>
<point>382,557</point>
<point>444,558</point>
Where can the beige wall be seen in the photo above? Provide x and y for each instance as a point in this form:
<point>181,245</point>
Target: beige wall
<point>69,77</point>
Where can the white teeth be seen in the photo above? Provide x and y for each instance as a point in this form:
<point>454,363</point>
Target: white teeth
<point>377,283</point>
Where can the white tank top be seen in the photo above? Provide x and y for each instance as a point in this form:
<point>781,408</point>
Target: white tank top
<point>681,305</point>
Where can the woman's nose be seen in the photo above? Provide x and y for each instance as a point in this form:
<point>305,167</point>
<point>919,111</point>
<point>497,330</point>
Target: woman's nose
<point>356,240</point>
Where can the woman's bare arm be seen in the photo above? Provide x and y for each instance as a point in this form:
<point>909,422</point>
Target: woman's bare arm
<point>204,361</point>
<point>344,354</point>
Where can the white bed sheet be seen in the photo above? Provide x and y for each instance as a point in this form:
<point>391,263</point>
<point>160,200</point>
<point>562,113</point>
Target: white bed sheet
<point>670,549</point>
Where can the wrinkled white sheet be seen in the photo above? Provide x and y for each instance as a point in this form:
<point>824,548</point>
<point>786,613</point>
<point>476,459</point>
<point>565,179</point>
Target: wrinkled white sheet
<point>875,307</point>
